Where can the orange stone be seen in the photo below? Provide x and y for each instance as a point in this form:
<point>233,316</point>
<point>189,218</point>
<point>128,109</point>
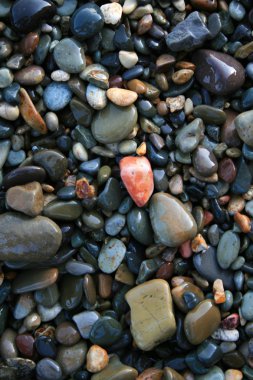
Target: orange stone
<point>198,243</point>
<point>137,176</point>
<point>30,114</point>
<point>218,291</point>
<point>243,222</point>
<point>83,189</point>
<point>151,374</point>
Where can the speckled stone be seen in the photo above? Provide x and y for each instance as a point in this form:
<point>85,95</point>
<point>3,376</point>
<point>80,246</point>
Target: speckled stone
<point>111,255</point>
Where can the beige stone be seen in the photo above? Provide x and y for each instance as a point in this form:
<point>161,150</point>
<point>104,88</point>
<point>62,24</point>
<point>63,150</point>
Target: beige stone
<point>182,76</point>
<point>97,359</point>
<point>233,374</point>
<point>152,316</point>
<point>121,97</point>
<point>26,198</point>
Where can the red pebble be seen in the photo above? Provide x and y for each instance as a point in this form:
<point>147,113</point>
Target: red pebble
<point>137,175</point>
<point>25,344</point>
<point>185,249</point>
<point>208,217</point>
<point>231,322</point>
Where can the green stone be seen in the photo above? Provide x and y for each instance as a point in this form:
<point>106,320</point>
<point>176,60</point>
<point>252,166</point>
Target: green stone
<point>247,306</point>
<point>113,123</point>
<point>189,136</point>
<point>55,163</point>
<point>209,353</point>
<point>210,114</point>
<point>105,331</point>
<point>63,210</point>
<point>139,226</point>
<point>93,219</point>
<point>109,199</point>
<point>228,249</point>
<point>82,112</point>
<point>214,373</point>
<point>84,136</point>
<point>103,174</point>
<point>71,291</point>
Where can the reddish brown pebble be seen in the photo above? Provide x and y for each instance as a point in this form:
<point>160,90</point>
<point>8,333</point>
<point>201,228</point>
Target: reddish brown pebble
<point>164,62</point>
<point>24,344</point>
<point>29,43</point>
<point>204,5</point>
<point>224,200</point>
<point>185,65</point>
<point>208,217</point>
<point>243,222</point>
<point>227,170</point>
<point>115,81</point>
<point>231,322</point>
<point>67,334</point>
<point>165,271</point>
<point>30,114</point>
<point>151,374</point>
<point>144,24</point>
<point>137,86</point>
<point>104,285</point>
<point>229,134</point>
<point>84,190</point>
<point>185,249</point>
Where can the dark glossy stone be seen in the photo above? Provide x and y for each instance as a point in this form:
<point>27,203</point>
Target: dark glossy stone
<point>27,15</point>
<point>23,175</point>
<point>55,163</point>
<point>219,73</point>
<point>45,347</point>
<point>209,353</point>
<point>109,199</point>
<point>243,178</point>
<point>105,331</point>
<point>122,39</point>
<point>70,291</point>
<point>48,369</point>
<point>204,161</point>
<point>87,21</point>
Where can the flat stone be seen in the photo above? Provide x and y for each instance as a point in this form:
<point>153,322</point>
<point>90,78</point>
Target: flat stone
<point>244,126</point>
<point>152,317</point>
<point>31,280</point>
<point>23,175</point>
<point>28,239</point>
<point>112,13</point>
<point>87,21</point>
<point>204,161</point>
<point>26,198</point>
<point>105,331</point>
<point>219,73</point>
<point>30,76</point>
<point>139,225</point>
<point>63,210</point>
<point>121,97</point>
<point>228,249</point>
<point>210,114</point>
<point>70,359</point>
<point>54,162</point>
<point>30,114</point>
<point>201,322</point>
<point>171,222</point>
<point>69,56</point>
<point>113,123</point>
<point>111,255</point>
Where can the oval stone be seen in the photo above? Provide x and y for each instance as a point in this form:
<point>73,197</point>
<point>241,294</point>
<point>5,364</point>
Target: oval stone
<point>201,322</point>
<point>228,249</point>
<point>113,123</point>
<point>244,126</point>
<point>219,73</point>
<point>69,56</point>
<point>87,21</point>
<point>28,239</point>
<point>111,255</point>
<point>171,222</point>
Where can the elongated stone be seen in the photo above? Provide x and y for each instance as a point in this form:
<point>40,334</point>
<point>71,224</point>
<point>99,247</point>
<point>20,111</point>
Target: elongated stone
<point>28,239</point>
<point>228,249</point>
<point>31,280</point>
<point>201,322</point>
<point>137,175</point>
<point>23,175</point>
<point>63,210</point>
<point>30,114</point>
<point>152,317</point>
<point>171,222</point>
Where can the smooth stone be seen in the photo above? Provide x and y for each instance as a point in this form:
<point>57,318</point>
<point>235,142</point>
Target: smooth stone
<point>24,306</point>
<point>15,243</point>
<point>244,126</point>
<point>11,94</point>
<point>201,322</point>
<point>180,296</point>
<point>78,268</point>
<point>128,59</point>
<point>70,359</point>
<point>96,97</point>
<point>6,129</point>
<point>83,114</point>
<point>70,291</point>
<point>210,114</point>
<point>27,199</point>
<point>111,255</point>
<point>30,76</point>
<point>5,146</point>
<point>115,370</point>
<point>121,97</point>
<point>137,176</point>
<point>67,8</point>
<point>109,199</point>
<point>63,210</point>
<point>139,226</point>
<point>219,73</point>
<point>207,266</point>
<point>113,123</point>
<point>247,306</point>
<point>67,334</point>
<point>47,297</point>
<point>158,323</point>
<point>26,16</point>
<point>56,96</point>
<point>31,280</point>
<point>93,219</point>
<point>209,353</point>
<point>84,322</point>
<point>6,77</point>
<point>171,222</point>
<point>114,224</point>
<point>48,369</point>
<point>87,21</point>
<point>15,158</point>
<point>91,167</point>
<point>243,178</point>
<point>188,34</point>
<point>112,13</point>
<point>45,346</point>
<point>228,249</point>
<point>8,111</point>
<point>204,161</point>
<point>69,56</point>
<point>23,175</point>
<point>214,373</point>
<point>189,136</point>
<point>105,331</point>
<point>55,163</point>
<point>127,147</point>
<point>8,347</point>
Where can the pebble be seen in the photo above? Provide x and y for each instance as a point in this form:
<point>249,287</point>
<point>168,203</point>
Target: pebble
<point>128,59</point>
<point>69,56</point>
<point>158,323</point>
<point>111,255</point>
<point>139,225</point>
<point>246,307</point>
<point>32,280</point>
<point>8,347</point>
<point>171,222</point>
<point>112,13</point>
<point>105,331</point>
<point>96,97</point>
<point>228,249</point>
<point>204,161</point>
<point>243,124</point>
<point>54,163</point>
<point>137,177</point>
<point>84,322</point>
<point>6,77</point>
<point>116,369</point>
<point>49,369</point>
<point>23,230</point>
<point>87,21</point>
<point>56,96</point>
<point>121,97</point>
<point>226,335</point>
<point>26,198</point>
<point>70,359</point>
<point>8,112</point>
<point>67,334</point>
<point>97,359</point>
<point>30,76</point>
<point>188,137</point>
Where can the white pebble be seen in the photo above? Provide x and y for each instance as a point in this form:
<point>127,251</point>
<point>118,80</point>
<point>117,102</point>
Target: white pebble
<point>112,13</point>
<point>129,6</point>
<point>52,121</point>
<point>80,152</point>
<point>9,112</point>
<point>60,76</point>
<point>226,335</point>
<point>49,313</point>
<point>188,106</point>
<point>45,28</point>
<point>96,97</point>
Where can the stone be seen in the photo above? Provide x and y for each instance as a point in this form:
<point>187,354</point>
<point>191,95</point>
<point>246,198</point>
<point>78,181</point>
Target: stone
<point>87,21</point>
<point>244,127</point>
<point>152,317</point>
<point>115,370</point>
<point>128,59</point>
<point>112,13</point>
<point>23,175</point>
<point>227,170</point>
<point>8,111</point>
<point>121,97</point>
<point>70,359</point>
<point>67,334</point>
<point>4,151</point>
<point>137,177</point>
<point>84,322</point>
<point>171,222</point>
<point>229,133</point>
<point>233,374</point>
<point>189,136</point>
<point>30,114</point>
<point>49,369</point>
<point>113,123</point>
<point>24,306</point>
<point>63,210</point>
<point>210,114</point>
<point>246,307</point>
<point>27,239</point>
<point>56,96</point>
<point>228,249</point>
<point>27,16</point>
<point>111,255</point>
<point>188,34</point>
<point>6,77</point>
<point>105,331</point>
<point>178,295</point>
<point>151,373</point>
<point>26,198</point>
<point>96,97</point>
<point>139,226</point>
<point>201,322</point>
<point>8,348</point>
<point>219,73</point>
<point>97,359</point>
<point>204,161</point>
<point>30,76</point>
<point>54,162</point>
<point>49,313</point>
<point>226,335</point>
<point>214,373</point>
<point>69,56</point>
<point>31,280</point>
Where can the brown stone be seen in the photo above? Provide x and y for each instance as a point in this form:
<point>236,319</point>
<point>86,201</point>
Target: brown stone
<point>115,81</point>
<point>243,222</point>
<point>104,285</point>
<point>171,374</point>
<point>182,76</point>
<point>144,24</point>
<point>229,133</point>
<point>29,43</point>
<point>121,97</point>
<point>227,170</point>
<point>164,62</point>
<point>204,5</point>
<point>30,76</point>
<point>151,374</point>
<point>30,114</point>
<point>218,291</point>
<point>165,271</point>
<point>26,198</point>
<point>204,161</point>
<point>67,334</point>
<point>185,65</point>
<point>179,291</point>
<point>137,86</point>
<point>24,344</point>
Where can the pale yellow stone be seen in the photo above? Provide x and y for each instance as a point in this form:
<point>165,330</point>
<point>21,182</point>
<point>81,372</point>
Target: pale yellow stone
<point>152,316</point>
<point>97,359</point>
<point>121,97</point>
<point>233,374</point>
